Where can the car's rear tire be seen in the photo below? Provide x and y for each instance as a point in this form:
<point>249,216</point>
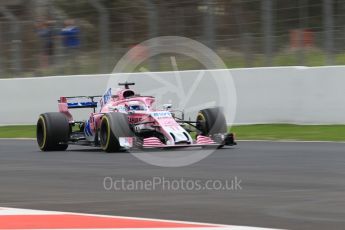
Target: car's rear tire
<point>211,121</point>
<point>52,132</point>
<point>113,126</point>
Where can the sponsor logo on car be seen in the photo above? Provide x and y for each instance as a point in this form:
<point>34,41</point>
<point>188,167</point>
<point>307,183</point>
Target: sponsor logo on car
<point>161,114</point>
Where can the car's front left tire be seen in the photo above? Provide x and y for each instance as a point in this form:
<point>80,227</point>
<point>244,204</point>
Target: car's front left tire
<point>113,126</point>
<point>211,121</point>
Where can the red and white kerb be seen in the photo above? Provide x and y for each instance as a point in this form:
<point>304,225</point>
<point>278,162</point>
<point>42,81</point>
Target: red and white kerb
<point>13,218</point>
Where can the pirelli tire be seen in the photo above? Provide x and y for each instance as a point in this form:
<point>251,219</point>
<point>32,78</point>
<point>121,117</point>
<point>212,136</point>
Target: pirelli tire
<point>211,121</point>
<point>52,131</point>
<point>113,126</point>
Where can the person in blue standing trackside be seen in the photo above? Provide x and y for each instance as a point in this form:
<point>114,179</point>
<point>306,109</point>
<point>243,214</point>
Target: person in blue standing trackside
<point>71,42</point>
<point>44,30</point>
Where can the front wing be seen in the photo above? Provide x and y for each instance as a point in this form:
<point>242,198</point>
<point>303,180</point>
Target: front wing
<point>214,141</point>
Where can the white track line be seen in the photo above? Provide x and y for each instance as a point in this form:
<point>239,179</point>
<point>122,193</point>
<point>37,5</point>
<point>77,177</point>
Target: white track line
<point>269,141</point>
<point>292,141</point>
<point>18,138</point>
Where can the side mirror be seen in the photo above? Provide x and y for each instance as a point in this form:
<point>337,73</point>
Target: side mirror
<point>167,106</point>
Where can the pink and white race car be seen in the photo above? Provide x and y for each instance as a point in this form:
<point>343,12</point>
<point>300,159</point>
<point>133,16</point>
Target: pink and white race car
<point>127,120</point>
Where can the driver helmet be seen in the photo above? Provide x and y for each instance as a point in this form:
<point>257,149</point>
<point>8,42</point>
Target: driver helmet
<point>135,105</point>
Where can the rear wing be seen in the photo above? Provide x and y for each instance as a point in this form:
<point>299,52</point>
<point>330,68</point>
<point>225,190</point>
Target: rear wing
<point>76,102</point>
<point>80,102</point>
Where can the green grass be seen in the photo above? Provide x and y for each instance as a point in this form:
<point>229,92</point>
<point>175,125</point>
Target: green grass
<point>18,131</point>
<point>290,132</point>
<point>243,132</point>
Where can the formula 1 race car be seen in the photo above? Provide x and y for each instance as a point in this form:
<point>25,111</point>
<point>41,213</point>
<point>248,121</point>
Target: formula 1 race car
<point>127,120</point>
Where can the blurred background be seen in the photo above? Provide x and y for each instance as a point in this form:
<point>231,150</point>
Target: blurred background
<point>63,37</point>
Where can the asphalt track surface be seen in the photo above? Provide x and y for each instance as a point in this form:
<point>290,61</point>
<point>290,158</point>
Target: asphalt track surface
<point>284,185</point>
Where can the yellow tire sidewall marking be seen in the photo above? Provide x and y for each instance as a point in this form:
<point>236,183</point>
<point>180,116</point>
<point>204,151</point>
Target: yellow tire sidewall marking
<point>108,132</point>
<point>202,116</point>
<point>44,132</point>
